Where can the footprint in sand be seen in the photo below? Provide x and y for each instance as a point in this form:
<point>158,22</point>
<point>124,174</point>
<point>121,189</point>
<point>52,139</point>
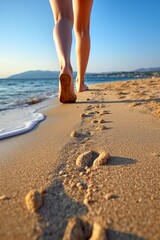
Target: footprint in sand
<point>80,135</point>
<point>99,121</point>
<point>85,159</point>
<point>89,107</point>
<point>103,112</point>
<point>89,114</point>
<point>94,121</point>
<point>88,159</point>
<point>101,128</point>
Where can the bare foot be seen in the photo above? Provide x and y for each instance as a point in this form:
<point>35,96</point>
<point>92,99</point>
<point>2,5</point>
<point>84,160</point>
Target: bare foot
<point>81,87</point>
<point>66,89</point>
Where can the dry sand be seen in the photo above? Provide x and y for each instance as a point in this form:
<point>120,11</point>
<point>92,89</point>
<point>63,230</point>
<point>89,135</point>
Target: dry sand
<point>121,195</point>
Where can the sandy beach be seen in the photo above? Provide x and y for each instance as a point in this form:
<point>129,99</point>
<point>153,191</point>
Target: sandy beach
<point>96,162</point>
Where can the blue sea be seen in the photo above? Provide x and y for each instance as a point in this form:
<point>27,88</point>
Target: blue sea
<point>21,101</point>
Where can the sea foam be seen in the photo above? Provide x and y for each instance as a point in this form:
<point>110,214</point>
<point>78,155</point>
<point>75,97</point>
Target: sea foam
<point>19,121</point>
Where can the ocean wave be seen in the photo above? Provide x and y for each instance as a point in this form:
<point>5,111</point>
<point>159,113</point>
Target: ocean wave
<point>19,121</point>
<point>24,102</point>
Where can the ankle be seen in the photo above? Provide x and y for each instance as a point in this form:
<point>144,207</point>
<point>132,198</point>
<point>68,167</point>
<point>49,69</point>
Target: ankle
<point>81,86</point>
<point>79,81</point>
<point>66,69</point>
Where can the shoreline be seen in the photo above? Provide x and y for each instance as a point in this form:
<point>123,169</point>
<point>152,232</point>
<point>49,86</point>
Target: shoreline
<point>45,159</point>
<point>26,118</point>
<point>23,120</point>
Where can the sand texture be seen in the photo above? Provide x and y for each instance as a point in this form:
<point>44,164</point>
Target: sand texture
<point>89,171</point>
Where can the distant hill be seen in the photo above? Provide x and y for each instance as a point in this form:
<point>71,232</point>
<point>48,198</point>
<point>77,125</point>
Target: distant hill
<point>52,74</point>
<point>152,69</point>
<point>35,74</point>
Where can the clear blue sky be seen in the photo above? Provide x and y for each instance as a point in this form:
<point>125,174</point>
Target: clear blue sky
<point>125,35</point>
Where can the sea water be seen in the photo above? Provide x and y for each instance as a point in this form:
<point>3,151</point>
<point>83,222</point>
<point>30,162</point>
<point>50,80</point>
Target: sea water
<point>21,101</point>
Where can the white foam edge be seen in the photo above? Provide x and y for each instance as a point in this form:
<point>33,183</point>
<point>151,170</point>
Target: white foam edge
<point>24,127</point>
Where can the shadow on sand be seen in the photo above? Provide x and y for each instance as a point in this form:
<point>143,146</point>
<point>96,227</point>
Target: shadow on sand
<point>57,209</point>
<point>120,161</point>
<point>116,235</point>
<point>91,101</point>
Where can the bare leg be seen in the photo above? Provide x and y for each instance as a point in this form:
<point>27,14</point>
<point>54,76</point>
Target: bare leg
<point>63,16</point>
<point>82,11</point>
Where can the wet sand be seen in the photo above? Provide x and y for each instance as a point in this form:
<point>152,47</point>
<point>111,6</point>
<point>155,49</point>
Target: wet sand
<point>119,192</point>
